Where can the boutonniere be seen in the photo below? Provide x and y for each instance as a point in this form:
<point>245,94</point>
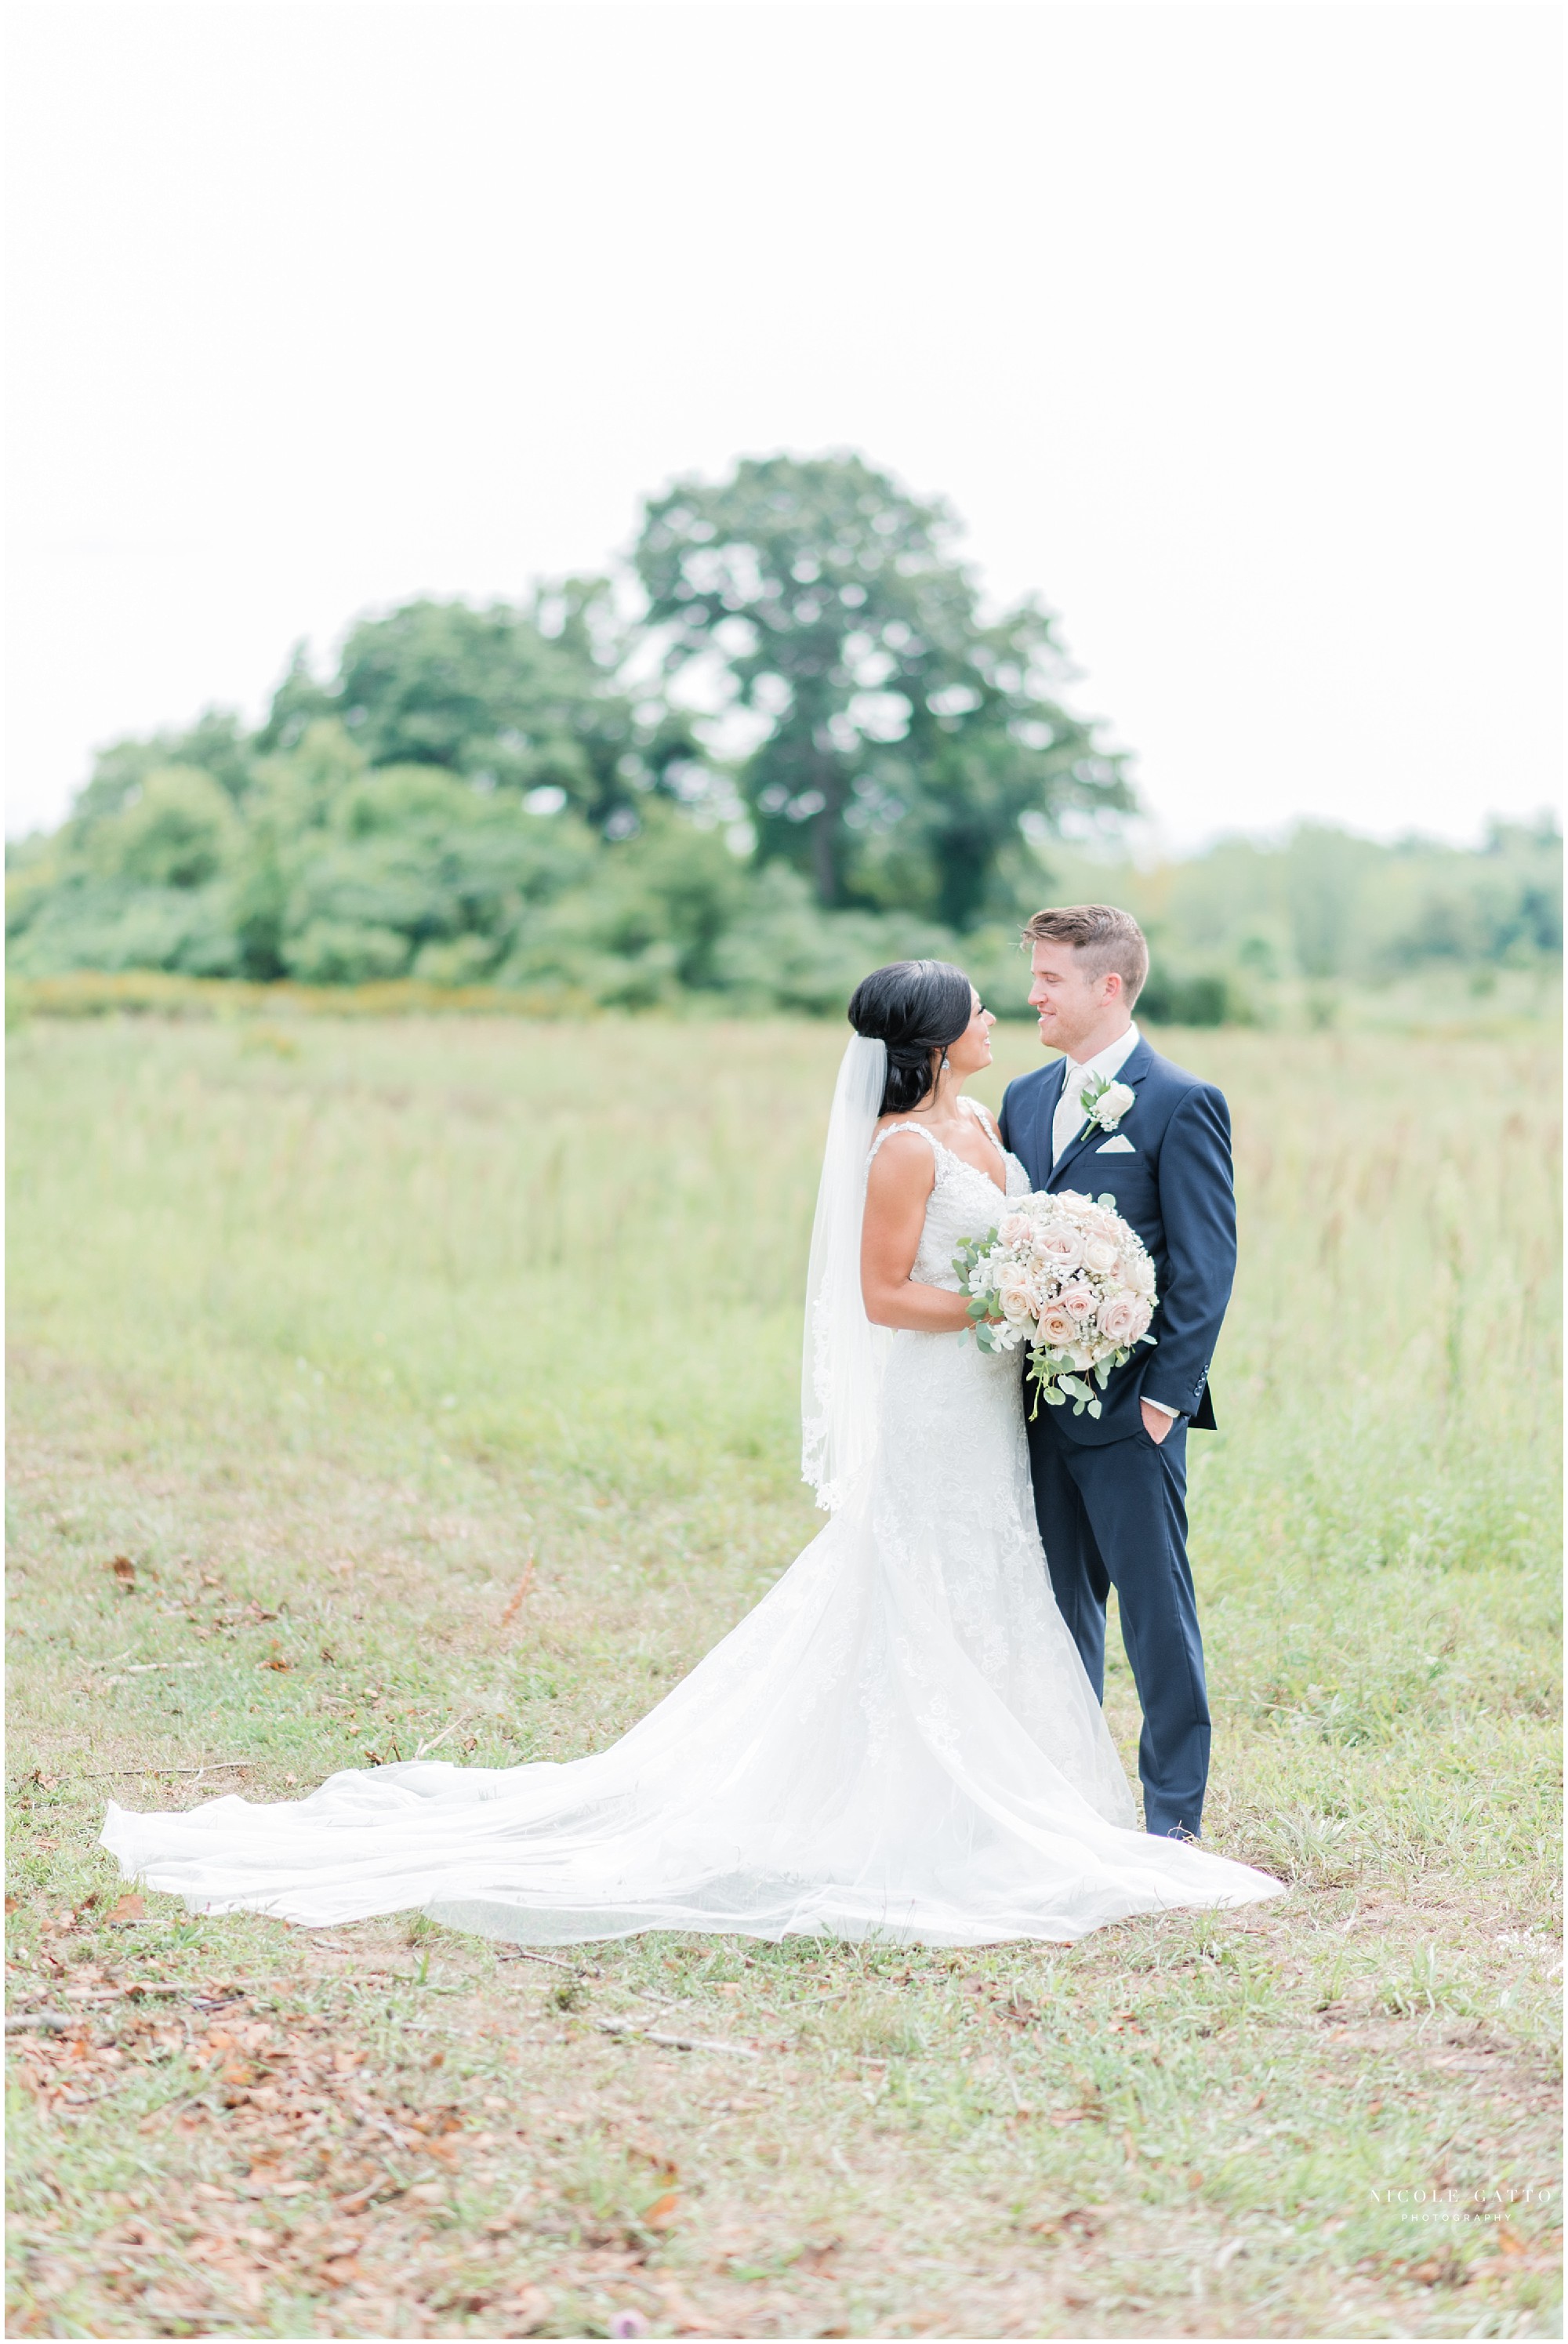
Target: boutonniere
<point>1105,1103</point>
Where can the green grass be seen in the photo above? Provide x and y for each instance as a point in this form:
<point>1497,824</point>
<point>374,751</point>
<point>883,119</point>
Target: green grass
<point>342,1332</point>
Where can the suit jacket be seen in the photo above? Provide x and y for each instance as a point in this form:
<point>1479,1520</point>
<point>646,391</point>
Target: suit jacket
<point>1176,1188</point>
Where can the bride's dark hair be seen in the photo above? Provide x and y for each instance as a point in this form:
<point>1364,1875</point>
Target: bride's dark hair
<point>917,1008</point>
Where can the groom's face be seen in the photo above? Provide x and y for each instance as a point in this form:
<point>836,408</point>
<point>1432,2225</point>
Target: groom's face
<point>1070,1001</point>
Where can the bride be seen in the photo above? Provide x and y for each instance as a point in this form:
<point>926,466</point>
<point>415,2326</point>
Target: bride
<point>899,1742</point>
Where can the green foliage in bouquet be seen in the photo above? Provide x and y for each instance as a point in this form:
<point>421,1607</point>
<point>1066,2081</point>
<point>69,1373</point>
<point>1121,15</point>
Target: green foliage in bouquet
<point>982,1312</point>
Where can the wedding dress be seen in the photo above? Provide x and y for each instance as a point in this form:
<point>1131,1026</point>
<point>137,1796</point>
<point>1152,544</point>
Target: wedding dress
<point>899,1742</point>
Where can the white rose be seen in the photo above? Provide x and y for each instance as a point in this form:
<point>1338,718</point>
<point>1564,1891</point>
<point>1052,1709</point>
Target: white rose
<point>1100,1256</point>
<point>1015,1292</point>
<point>1137,1271</point>
<point>1113,1104</point>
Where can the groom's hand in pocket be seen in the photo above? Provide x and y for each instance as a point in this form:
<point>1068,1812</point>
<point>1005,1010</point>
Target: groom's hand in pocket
<point>1155,1422</point>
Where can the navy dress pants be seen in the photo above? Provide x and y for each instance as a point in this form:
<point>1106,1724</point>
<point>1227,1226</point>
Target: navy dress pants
<point>1115,1515</point>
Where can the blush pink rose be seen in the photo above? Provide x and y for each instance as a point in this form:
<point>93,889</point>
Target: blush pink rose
<point>1080,1302</point>
<point>1017,1229</point>
<point>1056,1326</point>
<point>1118,1315</point>
<point>1060,1249</point>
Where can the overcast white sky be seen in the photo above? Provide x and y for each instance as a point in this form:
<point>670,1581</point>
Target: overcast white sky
<point>1234,330</point>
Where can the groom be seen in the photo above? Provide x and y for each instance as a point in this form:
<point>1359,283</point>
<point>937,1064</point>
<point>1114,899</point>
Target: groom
<point>1110,1491</point>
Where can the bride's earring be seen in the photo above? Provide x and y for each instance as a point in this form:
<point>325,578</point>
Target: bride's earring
<point>944,1067</point>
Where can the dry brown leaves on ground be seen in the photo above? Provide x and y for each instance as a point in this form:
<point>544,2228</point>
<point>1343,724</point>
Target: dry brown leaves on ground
<point>282,2111</point>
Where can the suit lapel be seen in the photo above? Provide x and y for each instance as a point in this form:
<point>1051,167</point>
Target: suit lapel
<point>1132,1073</point>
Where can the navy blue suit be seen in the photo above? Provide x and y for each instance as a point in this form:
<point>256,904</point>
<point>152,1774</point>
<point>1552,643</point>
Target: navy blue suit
<point>1112,1503</point>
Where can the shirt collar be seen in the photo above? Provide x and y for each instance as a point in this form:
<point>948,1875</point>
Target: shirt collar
<point>1109,1061</point>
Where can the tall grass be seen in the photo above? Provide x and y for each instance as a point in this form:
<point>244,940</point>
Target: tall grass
<point>361,1323</point>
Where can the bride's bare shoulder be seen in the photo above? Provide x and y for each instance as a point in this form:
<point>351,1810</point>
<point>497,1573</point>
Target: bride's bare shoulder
<point>902,1158</point>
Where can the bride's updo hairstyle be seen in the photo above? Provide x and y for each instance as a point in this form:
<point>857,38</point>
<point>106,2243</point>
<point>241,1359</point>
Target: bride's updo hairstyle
<point>917,1008</point>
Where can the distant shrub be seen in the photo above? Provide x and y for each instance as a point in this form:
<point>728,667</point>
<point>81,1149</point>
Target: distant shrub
<point>336,848</point>
<point>345,952</point>
<point>1207,997</point>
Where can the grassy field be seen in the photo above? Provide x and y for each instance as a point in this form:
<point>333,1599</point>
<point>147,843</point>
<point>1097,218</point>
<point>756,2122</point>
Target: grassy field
<point>384,1381</point>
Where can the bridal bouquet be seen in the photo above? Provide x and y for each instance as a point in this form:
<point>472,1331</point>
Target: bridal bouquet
<point>1070,1278</point>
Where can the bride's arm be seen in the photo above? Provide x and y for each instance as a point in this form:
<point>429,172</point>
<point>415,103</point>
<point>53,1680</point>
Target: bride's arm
<point>902,1175</point>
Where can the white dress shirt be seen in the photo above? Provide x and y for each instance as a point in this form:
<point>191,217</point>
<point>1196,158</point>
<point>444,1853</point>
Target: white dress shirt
<point>1105,1065</point>
<point>1067,1122</point>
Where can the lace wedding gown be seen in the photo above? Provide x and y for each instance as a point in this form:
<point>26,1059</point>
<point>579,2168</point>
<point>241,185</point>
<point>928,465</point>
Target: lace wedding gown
<point>898,1741</point>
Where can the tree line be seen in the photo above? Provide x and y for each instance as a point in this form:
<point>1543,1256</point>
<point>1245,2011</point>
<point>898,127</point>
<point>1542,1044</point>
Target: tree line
<point>809,749</point>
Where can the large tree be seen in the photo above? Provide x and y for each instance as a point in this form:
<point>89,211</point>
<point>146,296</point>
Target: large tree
<point>903,740</point>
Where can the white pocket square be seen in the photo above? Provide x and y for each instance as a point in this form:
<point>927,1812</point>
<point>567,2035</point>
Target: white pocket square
<point>1117,1147</point>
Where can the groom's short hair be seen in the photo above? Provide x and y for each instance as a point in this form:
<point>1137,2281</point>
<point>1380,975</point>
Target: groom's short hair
<point>1106,938</point>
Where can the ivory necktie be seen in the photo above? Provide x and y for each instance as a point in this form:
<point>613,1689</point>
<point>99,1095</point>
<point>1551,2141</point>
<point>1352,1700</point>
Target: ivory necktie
<point>1069,1118</point>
